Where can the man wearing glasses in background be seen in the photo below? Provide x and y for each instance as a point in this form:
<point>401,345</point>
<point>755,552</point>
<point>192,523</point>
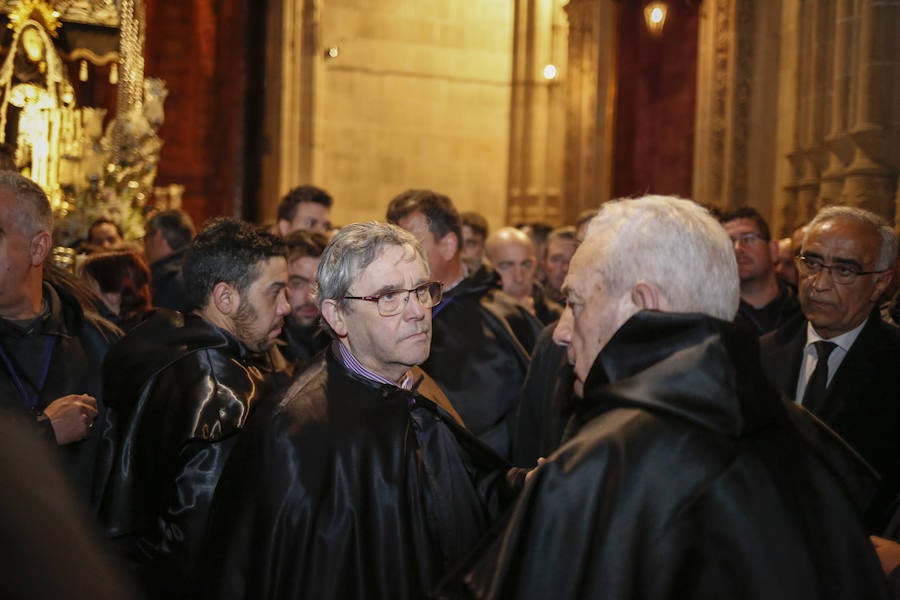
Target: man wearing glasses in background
<point>841,361</point>
<point>363,482</point>
<point>766,300</point>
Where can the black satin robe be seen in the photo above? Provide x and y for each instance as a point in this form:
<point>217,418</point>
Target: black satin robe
<point>351,489</point>
<point>480,349</point>
<point>180,390</point>
<point>687,479</point>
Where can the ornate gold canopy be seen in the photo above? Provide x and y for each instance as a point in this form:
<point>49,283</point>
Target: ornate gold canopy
<point>87,167</point>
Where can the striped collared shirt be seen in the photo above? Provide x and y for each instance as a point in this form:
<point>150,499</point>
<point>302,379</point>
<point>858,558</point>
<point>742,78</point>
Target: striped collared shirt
<point>351,364</point>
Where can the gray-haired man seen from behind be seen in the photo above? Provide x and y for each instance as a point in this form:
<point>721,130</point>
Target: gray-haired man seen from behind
<point>686,475</point>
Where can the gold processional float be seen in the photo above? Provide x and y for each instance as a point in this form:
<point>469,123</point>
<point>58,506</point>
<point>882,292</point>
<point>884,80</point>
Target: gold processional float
<point>90,166</point>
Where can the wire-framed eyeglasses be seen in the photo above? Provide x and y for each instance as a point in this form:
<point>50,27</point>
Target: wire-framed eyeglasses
<point>392,302</point>
<point>843,273</point>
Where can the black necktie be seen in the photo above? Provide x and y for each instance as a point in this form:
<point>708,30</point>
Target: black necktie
<point>814,396</point>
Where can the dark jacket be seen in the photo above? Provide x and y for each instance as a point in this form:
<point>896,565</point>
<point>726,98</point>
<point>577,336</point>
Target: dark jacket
<point>180,389</point>
<point>862,403</point>
<point>352,489</point>
<point>776,313</point>
<point>168,282</point>
<point>546,310</point>
<point>77,342</point>
<point>686,479</point>
<point>545,403</point>
<point>299,344</point>
<point>480,345</point>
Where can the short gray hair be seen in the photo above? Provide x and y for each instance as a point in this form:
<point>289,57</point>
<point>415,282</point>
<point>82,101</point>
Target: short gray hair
<point>352,249</point>
<point>888,249</point>
<point>32,207</point>
<point>673,243</point>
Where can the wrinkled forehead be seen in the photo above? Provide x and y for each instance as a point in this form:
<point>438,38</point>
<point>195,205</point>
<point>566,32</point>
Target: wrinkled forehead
<point>587,262</point>
<point>395,257</point>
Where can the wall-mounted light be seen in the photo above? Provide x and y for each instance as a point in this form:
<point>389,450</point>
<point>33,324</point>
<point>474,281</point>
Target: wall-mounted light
<point>550,72</point>
<point>655,16</point>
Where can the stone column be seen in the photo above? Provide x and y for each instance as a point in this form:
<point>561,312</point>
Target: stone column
<point>536,132</point>
<point>838,142</point>
<point>292,58</point>
<point>591,103</point>
<point>724,97</point>
<point>871,178</point>
<point>815,63</point>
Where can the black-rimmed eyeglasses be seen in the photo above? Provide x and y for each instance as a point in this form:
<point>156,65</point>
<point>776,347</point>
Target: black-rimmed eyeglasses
<point>392,302</point>
<point>845,274</point>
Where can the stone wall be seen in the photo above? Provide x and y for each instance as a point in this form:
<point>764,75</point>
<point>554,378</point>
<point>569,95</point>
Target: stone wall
<point>417,95</point>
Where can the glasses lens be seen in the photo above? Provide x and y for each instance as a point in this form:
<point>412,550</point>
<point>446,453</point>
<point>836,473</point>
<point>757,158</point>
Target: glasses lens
<point>429,294</point>
<point>391,303</point>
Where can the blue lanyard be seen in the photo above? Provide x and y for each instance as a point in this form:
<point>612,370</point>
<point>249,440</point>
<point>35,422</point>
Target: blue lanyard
<point>30,400</point>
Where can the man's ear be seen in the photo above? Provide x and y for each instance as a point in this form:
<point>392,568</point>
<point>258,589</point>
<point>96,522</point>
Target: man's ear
<point>646,296</point>
<point>41,244</point>
<point>226,298</point>
<point>448,246</point>
<point>284,227</point>
<point>334,317</point>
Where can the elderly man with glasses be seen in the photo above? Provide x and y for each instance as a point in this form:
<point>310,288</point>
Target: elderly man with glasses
<point>841,360</point>
<point>364,482</point>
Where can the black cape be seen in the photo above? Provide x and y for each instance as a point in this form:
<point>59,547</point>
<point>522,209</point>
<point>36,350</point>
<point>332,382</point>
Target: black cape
<point>181,391</point>
<point>480,349</point>
<point>351,489</point>
<point>687,479</point>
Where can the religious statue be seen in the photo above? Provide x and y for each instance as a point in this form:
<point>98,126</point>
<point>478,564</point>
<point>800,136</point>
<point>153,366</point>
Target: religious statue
<point>36,104</point>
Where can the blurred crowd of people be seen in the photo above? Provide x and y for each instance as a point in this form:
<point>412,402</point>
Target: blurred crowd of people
<point>656,401</point>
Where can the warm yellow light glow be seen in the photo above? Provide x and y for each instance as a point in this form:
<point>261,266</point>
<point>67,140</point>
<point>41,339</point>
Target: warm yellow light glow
<point>655,16</point>
<point>550,72</point>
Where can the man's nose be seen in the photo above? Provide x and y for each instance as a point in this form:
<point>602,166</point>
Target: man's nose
<point>819,282</point>
<point>562,334</point>
<point>284,306</point>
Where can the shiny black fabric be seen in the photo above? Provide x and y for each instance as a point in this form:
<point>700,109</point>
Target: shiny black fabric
<point>300,344</point>
<point>545,405</point>
<point>686,479</point>
<point>480,349</point>
<point>82,340</point>
<point>180,390</point>
<point>351,490</point>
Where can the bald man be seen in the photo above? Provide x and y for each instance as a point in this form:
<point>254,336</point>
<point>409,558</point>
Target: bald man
<point>512,253</point>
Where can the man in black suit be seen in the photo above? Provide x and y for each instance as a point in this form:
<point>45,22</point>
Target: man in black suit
<point>845,265</point>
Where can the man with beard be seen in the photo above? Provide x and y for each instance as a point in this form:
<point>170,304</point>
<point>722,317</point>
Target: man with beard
<point>301,336</point>
<point>363,483</point>
<point>685,476</point>
<point>182,386</point>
